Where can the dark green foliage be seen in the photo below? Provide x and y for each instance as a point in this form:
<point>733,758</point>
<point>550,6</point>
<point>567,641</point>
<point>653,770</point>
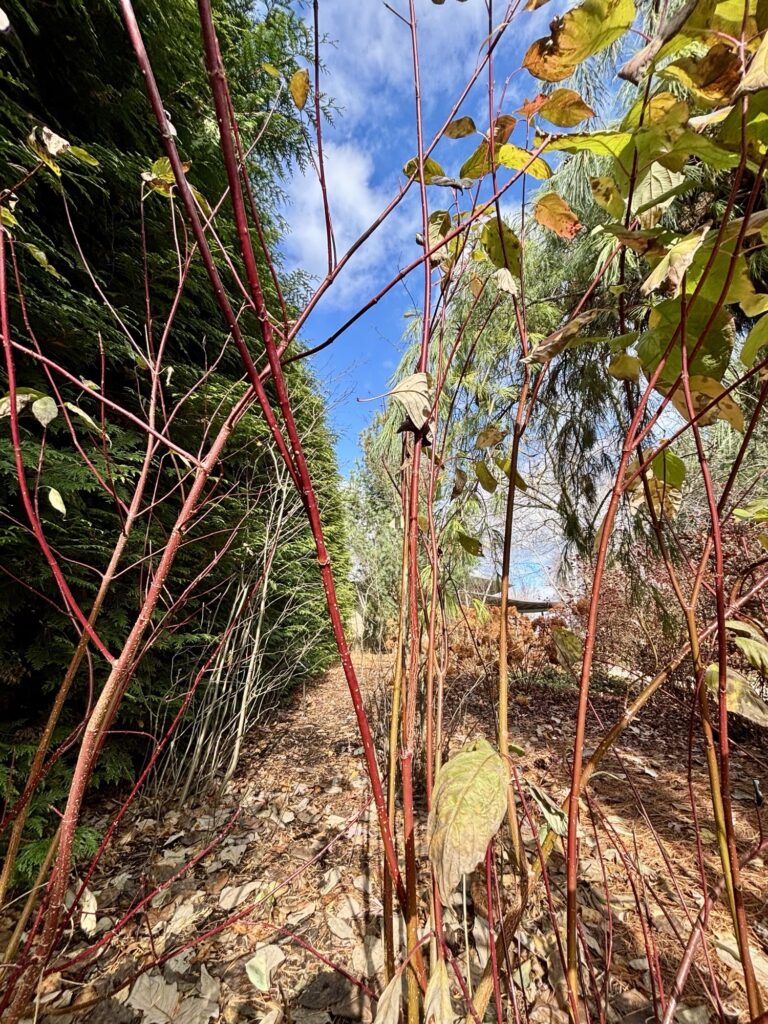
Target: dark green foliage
<point>69,66</point>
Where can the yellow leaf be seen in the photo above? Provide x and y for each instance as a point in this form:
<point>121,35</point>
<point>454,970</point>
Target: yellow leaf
<point>712,78</point>
<point>565,108</point>
<point>518,159</point>
<point>554,213</point>
<point>756,77</point>
<point>478,163</point>
<point>625,367</point>
<point>703,391</point>
<point>299,87</point>
<point>468,804</point>
<point>606,194</point>
<point>671,269</point>
<point>582,32</point>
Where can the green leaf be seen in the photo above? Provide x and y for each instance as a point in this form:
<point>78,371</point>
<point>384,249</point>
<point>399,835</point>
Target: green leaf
<point>755,651</point>
<point>502,246</point>
<point>714,347</point>
<point>37,253</point>
<point>555,817</point>
<point>299,87</point>
<point>413,395</point>
<point>478,163</point>
<point>460,128</point>
<point>601,143</point>
<point>518,159</point>
<point>468,804</point>
<point>669,468</point>
<point>44,410</point>
<point>7,219</point>
<point>755,340</point>
<point>505,465</point>
<point>470,544</point>
<point>57,501</point>
<point>656,188</point>
<point>740,698</point>
<point>485,476</point>
<point>202,202</point>
<point>432,170</point>
<point>756,509</point>
<point>490,436</point>
<point>83,156</point>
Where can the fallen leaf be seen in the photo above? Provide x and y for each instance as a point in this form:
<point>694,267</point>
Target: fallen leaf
<point>261,965</point>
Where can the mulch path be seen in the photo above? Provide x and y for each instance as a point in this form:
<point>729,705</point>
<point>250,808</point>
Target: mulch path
<point>293,836</point>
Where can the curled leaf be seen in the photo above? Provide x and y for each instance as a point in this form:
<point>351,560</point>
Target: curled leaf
<point>438,1008</point>
<point>57,501</point>
<point>47,146</point>
<point>703,391</point>
<point>559,340</point>
<point>412,393</point>
<point>668,274</point>
<point>459,483</point>
<point>260,967</point>
<point>490,436</point>
<point>485,477</point>
<point>299,87</point>
<point>460,128</point>
<point>388,1006</point>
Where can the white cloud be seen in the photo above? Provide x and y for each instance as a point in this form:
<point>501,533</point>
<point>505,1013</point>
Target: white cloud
<point>369,76</point>
<point>370,67</point>
<point>356,200</point>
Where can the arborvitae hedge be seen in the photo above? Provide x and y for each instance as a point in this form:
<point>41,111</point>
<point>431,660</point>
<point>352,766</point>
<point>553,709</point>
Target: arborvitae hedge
<point>68,65</point>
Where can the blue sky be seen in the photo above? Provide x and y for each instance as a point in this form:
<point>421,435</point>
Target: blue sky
<point>369,77</point>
